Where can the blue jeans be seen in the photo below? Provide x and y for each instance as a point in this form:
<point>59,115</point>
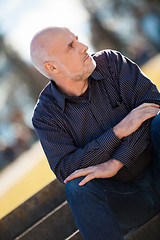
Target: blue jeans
<point>102,208</point>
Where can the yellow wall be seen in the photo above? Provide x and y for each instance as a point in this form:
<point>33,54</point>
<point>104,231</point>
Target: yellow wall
<point>152,70</point>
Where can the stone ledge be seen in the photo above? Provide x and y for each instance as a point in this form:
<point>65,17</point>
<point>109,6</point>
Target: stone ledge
<point>58,224</point>
<point>32,210</point>
<point>149,231</point>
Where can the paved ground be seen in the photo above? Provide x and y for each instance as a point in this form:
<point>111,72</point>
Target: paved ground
<point>23,178</point>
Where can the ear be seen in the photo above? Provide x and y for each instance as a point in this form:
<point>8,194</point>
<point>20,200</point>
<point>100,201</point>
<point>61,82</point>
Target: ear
<point>50,67</point>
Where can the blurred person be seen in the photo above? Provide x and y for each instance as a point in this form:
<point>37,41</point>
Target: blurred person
<point>15,137</point>
<point>94,119</point>
<point>24,135</point>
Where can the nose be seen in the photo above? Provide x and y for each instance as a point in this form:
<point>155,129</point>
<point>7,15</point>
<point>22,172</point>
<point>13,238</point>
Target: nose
<point>83,48</point>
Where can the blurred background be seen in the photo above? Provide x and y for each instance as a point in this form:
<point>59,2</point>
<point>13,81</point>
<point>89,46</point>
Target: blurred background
<point>129,26</point>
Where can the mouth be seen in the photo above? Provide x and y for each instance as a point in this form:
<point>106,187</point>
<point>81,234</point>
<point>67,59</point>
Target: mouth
<point>86,57</point>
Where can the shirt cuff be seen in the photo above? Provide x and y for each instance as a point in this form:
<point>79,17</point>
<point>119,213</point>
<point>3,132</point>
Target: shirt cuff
<point>125,154</point>
<point>109,141</point>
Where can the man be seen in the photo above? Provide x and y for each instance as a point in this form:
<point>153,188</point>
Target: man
<point>93,120</point>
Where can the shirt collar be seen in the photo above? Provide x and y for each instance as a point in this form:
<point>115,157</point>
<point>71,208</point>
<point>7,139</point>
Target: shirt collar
<point>97,75</point>
<point>61,98</point>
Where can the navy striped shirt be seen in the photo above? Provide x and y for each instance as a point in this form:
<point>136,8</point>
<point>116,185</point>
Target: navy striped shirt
<point>77,132</point>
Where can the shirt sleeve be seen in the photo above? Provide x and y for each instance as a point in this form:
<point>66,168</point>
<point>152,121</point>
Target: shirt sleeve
<point>63,156</point>
<point>135,88</point>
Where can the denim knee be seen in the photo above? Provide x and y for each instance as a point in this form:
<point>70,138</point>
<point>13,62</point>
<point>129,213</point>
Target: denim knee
<point>72,188</point>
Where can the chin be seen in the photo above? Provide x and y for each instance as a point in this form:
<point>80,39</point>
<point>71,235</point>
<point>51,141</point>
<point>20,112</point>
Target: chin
<point>92,66</point>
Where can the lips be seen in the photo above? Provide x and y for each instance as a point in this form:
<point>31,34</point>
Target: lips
<point>87,56</point>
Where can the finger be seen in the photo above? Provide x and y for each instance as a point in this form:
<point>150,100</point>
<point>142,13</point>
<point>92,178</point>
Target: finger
<point>78,173</point>
<point>146,109</point>
<point>143,105</point>
<point>151,113</point>
<point>88,178</point>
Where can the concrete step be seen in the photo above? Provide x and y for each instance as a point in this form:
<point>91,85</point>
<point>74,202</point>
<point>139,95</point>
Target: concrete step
<point>32,210</point>
<point>58,225</point>
<point>75,236</point>
<point>47,216</point>
<point>149,231</point>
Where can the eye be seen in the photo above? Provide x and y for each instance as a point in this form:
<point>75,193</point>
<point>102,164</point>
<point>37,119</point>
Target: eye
<point>70,45</point>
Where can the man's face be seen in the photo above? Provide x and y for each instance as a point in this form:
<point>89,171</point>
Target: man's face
<point>72,57</point>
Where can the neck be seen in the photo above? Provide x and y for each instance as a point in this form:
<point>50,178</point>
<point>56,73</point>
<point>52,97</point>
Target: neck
<point>73,88</point>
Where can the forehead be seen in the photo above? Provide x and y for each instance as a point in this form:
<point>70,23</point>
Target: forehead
<point>63,38</point>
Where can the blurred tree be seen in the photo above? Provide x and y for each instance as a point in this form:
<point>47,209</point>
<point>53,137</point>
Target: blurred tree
<point>20,85</point>
<point>130,26</point>
<point>24,72</point>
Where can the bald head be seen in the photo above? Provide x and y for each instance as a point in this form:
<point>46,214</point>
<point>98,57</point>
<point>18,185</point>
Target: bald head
<point>41,47</point>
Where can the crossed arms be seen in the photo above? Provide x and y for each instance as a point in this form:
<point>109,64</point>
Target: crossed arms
<point>124,128</point>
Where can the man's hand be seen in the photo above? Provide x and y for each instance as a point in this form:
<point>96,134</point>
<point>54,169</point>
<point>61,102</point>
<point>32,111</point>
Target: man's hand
<point>103,170</point>
<point>135,118</point>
